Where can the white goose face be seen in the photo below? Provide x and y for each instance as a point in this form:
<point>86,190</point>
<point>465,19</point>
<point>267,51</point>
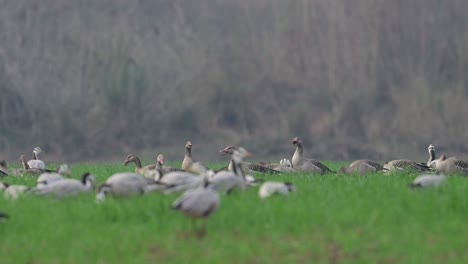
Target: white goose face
<point>430,148</point>
<point>37,150</point>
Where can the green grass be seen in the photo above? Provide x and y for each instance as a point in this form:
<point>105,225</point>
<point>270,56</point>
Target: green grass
<point>331,219</point>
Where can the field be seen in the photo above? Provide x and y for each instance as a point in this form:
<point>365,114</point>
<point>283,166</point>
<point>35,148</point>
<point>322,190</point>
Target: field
<point>330,219</point>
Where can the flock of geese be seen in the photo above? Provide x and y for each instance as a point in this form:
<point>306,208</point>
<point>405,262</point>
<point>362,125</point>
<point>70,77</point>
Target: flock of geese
<point>200,186</point>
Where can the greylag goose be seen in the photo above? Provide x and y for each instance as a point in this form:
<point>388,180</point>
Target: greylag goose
<point>198,203</point>
<point>148,171</point>
<point>126,184</point>
<point>363,166</point>
<point>271,188</point>
<point>48,177</point>
<point>247,167</point>
<point>306,165</point>
<point>36,163</point>
<point>428,180</point>
<point>451,165</point>
<point>188,163</point>
<point>164,168</point>
<point>403,165</point>
<point>68,187</point>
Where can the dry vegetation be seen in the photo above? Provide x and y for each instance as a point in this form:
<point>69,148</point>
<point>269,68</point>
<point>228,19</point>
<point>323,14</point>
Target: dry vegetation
<point>365,77</point>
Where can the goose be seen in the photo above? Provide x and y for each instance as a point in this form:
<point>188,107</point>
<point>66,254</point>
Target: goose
<point>270,188</point>
<point>306,165</point>
<point>36,163</point>
<point>432,155</point>
<point>187,162</point>
<point>3,168</point>
<point>13,192</point>
<point>3,217</point>
<point>428,180</point>
<point>450,165</point>
<point>362,166</point>
<point>147,171</point>
<point>284,165</point>
<point>178,181</point>
<point>47,178</point>
<point>164,168</point>
<point>198,203</point>
<point>28,170</point>
<point>226,181</point>
<point>68,187</point>
<point>403,164</point>
<point>247,167</point>
<point>126,184</point>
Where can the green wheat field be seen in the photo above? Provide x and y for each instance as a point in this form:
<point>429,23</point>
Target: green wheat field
<point>330,219</point>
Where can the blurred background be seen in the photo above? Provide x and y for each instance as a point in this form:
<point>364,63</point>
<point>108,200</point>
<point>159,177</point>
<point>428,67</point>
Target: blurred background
<point>95,80</point>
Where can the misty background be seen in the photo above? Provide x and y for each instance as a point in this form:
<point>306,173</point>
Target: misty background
<point>97,80</point>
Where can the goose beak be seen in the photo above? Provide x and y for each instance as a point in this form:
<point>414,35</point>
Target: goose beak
<point>125,163</point>
<point>223,151</point>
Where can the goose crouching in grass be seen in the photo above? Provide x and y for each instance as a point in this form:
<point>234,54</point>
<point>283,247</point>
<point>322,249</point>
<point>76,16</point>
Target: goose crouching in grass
<point>405,165</point>
<point>68,187</point>
<point>246,166</point>
<point>362,167</point>
<point>13,192</point>
<point>31,171</point>
<point>306,165</point>
<point>48,178</point>
<point>36,163</point>
<point>275,188</point>
<point>428,180</point>
<point>178,181</point>
<point>148,171</point>
<point>198,203</point>
<point>126,184</point>
<point>451,165</point>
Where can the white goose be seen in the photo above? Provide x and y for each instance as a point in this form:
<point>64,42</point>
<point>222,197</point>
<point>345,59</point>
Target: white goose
<point>279,188</point>
<point>50,177</point>
<point>36,163</point>
<point>68,187</point>
<point>428,180</point>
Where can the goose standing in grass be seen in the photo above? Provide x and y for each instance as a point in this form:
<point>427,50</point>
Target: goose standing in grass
<point>432,155</point>
<point>405,165</point>
<point>363,166</point>
<point>13,192</point>
<point>68,187</point>
<point>28,170</point>
<point>198,203</point>
<point>164,168</point>
<point>148,171</point>
<point>126,184</point>
<point>428,180</point>
<point>451,165</point>
<point>3,168</point>
<point>306,165</point>
<point>246,166</point>
<point>187,162</point>
<point>226,181</point>
<point>50,177</point>
<point>271,188</point>
<point>36,163</point>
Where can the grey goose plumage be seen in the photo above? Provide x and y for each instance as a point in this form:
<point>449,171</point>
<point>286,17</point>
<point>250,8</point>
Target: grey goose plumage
<point>246,166</point>
<point>306,165</point>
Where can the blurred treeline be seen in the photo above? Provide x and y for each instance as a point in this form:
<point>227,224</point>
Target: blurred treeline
<point>362,78</point>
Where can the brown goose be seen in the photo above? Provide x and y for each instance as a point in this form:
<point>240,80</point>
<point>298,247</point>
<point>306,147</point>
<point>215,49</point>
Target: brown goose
<point>147,171</point>
<point>28,170</point>
<point>306,165</point>
<point>247,167</point>
<point>450,165</point>
<point>164,168</point>
<point>363,166</point>
<point>403,164</point>
<point>187,161</point>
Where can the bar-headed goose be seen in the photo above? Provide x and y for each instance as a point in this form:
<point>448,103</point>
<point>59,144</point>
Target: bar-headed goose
<point>178,181</point>
<point>306,165</point>
<point>49,177</point>
<point>198,203</point>
<point>271,188</point>
<point>246,166</point>
<point>405,165</point>
<point>68,187</point>
<point>432,155</point>
<point>363,166</point>
<point>126,184</point>
<point>164,168</point>
<point>284,165</point>
<point>428,180</point>
<point>226,181</point>
<point>451,165</point>
<point>12,192</point>
<point>36,163</point>
<point>148,171</point>
<point>28,170</point>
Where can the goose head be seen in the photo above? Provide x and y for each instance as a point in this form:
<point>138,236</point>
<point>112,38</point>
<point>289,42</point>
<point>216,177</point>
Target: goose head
<point>188,145</point>
<point>102,191</point>
<point>239,154</point>
<point>130,158</point>
<point>88,180</point>
<point>228,150</point>
<point>297,141</point>
<point>160,159</point>
<point>37,150</point>
<point>431,148</point>
<point>290,186</point>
